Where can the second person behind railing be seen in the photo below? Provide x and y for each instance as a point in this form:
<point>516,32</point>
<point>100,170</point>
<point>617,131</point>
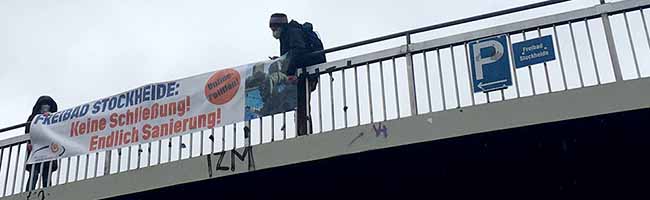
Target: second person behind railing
<point>44,105</point>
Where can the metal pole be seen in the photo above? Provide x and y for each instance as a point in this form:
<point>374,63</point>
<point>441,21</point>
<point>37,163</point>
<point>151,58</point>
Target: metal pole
<point>613,55</point>
<point>411,77</point>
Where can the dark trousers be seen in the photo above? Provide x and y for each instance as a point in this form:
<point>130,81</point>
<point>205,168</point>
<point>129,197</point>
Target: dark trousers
<point>304,125</point>
<point>33,176</point>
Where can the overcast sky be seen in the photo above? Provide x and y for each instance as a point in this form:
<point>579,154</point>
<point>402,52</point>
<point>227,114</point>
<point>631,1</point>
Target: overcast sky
<point>79,51</point>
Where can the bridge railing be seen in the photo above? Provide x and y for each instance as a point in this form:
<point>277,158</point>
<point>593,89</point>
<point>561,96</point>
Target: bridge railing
<point>597,45</point>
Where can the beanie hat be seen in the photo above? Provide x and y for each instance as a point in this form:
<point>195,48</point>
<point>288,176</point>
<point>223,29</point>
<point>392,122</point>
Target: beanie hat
<point>278,19</point>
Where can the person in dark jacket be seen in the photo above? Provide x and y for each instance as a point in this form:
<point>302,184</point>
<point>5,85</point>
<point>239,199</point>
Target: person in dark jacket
<point>293,45</point>
<point>44,105</point>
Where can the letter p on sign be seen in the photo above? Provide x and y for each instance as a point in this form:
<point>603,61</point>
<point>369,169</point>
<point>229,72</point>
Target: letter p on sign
<point>490,64</point>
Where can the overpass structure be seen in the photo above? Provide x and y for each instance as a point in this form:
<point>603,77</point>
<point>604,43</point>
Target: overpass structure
<point>405,121</point>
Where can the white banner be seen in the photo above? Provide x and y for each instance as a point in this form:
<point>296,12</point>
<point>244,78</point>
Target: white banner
<point>163,110</point>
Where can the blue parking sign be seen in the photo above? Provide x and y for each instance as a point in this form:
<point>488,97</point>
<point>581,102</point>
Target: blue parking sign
<point>490,63</point>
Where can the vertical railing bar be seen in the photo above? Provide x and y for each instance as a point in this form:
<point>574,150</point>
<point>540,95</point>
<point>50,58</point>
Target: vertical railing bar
<point>548,79</point>
<point>530,70</point>
<point>261,128</point>
<point>119,160</point>
<point>345,101</point>
<point>13,187</point>
<point>453,65</point>
<point>191,147</point>
<point>611,45</point>
<point>514,69</point>
<point>76,171</point>
<point>201,145</point>
<point>58,174</point>
<point>128,161</point>
<point>96,163</point>
<point>169,147</point>
<point>487,95</point>
<point>426,76</point>
<point>86,171</point>
<point>223,137</point>
<point>356,89</point>
<point>67,171</point>
<point>442,87</point>
<point>331,100</point>
<point>41,172</point>
<point>320,105</point>
<point>370,108</point>
<point>30,178</point>
<point>49,175</point>
<point>593,54</point>
<point>284,132</point>
<point>575,52</point>
<point>180,146</point>
<point>212,141</point>
<point>137,166</point>
<point>645,27</point>
<point>159,152</point>
<point>396,93</point>
<point>410,77</point>
<point>148,153</point>
<point>383,89</point>
<point>9,167</point>
<point>469,73</point>
<point>234,136</point>
<point>22,177</point>
<point>272,127</point>
<point>559,56</point>
<point>629,35</point>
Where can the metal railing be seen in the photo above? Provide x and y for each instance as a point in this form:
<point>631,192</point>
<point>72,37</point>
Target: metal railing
<point>408,80</point>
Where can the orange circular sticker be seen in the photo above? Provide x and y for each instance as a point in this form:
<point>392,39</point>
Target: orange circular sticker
<point>222,86</point>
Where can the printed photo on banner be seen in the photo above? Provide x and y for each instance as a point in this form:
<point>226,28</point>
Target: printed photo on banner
<point>268,90</point>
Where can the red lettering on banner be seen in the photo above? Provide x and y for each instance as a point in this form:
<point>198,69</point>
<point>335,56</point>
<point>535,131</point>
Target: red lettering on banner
<point>146,132</point>
<point>91,125</point>
<point>93,143</point>
<point>113,120</point>
<point>73,129</point>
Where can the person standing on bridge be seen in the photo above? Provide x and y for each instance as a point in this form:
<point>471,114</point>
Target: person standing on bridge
<point>298,42</point>
<point>44,105</point>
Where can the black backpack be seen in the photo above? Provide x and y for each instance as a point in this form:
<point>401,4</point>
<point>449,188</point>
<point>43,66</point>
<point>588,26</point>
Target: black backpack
<point>313,43</point>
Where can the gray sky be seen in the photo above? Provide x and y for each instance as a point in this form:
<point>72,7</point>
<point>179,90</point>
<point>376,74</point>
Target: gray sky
<point>78,51</point>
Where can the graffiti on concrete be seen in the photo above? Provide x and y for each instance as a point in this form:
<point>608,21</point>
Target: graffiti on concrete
<point>222,165</point>
<point>380,130</point>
